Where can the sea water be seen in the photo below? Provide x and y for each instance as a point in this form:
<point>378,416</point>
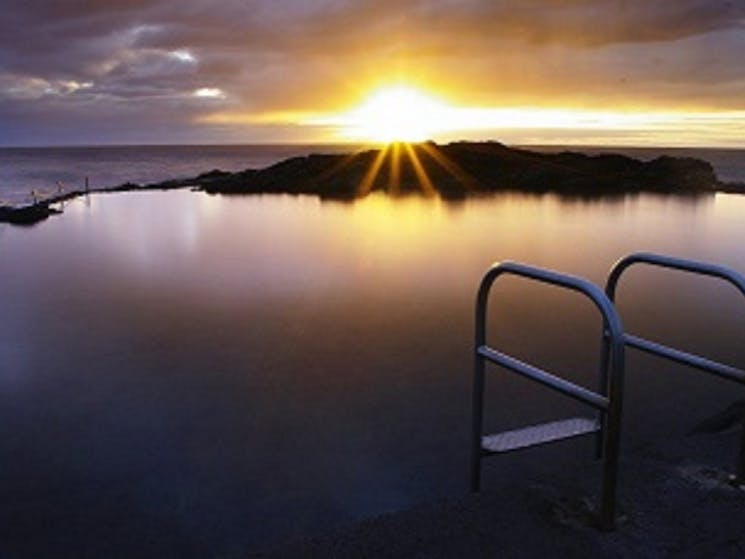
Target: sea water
<point>192,375</point>
<point>44,170</point>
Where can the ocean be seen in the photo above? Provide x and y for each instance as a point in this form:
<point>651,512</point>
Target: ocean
<point>188,375</point>
<point>44,169</point>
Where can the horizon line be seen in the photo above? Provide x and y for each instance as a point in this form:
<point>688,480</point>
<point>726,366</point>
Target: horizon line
<point>370,145</point>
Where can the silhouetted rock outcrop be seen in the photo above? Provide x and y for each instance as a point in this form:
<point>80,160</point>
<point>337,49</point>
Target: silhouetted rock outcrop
<point>463,167</point>
<point>27,214</point>
<point>451,171</point>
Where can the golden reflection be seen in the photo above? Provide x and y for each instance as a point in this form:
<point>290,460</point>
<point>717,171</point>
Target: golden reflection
<point>382,222</point>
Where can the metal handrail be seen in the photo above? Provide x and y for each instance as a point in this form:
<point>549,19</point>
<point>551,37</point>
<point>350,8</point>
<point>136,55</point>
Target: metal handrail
<point>691,266</point>
<point>660,260</point>
<point>608,401</point>
<point>539,375</point>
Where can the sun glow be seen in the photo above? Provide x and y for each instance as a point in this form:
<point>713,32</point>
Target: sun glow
<point>406,113</point>
<point>401,113</point>
<point>392,114</point>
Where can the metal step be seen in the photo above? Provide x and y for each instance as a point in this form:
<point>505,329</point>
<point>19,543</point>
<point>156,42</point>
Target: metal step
<point>535,435</point>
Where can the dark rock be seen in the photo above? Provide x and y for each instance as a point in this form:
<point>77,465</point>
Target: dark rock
<point>126,187</point>
<point>733,187</point>
<point>451,171</point>
<point>459,168</point>
<point>26,215</point>
<point>213,174</point>
<point>730,417</point>
<point>678,173</point>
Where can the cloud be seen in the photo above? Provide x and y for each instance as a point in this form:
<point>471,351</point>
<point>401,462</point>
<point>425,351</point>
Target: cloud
<point>145,59</point>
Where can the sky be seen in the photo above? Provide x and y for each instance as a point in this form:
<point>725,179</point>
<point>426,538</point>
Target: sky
<point>633,72</point>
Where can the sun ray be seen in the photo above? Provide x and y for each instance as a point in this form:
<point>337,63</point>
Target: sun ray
<point>394,178</point>
<point>337,167</point>
<point>368,181</point>
<point>422,177</point>
<point>460,174</point>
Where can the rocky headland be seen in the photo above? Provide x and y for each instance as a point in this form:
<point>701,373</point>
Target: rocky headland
<point>466,167</point>
<point>453,170</point>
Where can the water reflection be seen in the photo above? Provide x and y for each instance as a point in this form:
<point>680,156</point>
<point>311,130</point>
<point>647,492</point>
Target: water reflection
<point>205,374</point>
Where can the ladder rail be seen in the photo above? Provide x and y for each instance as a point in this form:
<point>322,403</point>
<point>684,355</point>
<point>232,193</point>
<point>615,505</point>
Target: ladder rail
<point>724,273</point>
<point>543,377</point>
<point>662,261</point>
<point>609,400</point>
<point>692,360</point>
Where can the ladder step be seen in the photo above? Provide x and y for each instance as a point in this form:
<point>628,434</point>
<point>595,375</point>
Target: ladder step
<point>535,435</point>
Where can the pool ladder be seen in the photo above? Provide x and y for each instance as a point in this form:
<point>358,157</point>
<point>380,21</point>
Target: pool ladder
<point>607,401</point>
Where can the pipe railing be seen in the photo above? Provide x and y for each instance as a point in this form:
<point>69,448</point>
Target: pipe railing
<point>608,401</point>
<point>702,363</point>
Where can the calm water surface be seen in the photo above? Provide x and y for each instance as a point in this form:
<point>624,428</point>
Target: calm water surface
<point>194,375</point>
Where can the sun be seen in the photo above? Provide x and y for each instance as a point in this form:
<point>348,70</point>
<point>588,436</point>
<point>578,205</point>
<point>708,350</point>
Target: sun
<point>393,114</point>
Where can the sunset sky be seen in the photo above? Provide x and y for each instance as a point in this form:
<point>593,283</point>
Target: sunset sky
<point>636,72</point>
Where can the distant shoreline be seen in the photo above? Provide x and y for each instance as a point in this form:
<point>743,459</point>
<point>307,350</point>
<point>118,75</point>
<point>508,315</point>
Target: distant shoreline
<point>450,171</point>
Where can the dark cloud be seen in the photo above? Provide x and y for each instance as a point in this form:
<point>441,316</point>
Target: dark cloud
<point>127,63</point>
